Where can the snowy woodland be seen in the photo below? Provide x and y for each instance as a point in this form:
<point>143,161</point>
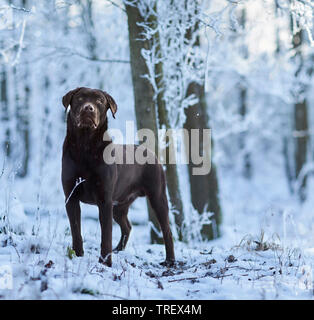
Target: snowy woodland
<point>243,68</point>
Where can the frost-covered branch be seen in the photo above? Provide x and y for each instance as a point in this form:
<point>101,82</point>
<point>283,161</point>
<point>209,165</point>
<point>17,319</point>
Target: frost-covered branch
<point>20,9</point>
<point>302,13</point>
<point>67,51</point>
<point>180,58</point>
<point>78,182</point>
<point>307,3</point>
<point>216,21</point>
<point>116,5</point>
<point>75,53</point>
<point>20,46</point>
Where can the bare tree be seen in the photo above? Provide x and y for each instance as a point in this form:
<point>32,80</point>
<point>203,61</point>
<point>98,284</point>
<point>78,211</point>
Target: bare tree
<point>21,75</point>
<point>300,113</point>
<point>243,92</point>
<point>4,107</point>
<point>203,188</point>
<point>148,103</point>
<point>145,110</point>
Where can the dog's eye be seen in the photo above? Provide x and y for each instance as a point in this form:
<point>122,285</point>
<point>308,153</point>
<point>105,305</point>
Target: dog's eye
<point>80,99</point>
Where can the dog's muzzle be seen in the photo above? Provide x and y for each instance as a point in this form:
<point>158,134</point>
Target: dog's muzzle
<point>87,117</point>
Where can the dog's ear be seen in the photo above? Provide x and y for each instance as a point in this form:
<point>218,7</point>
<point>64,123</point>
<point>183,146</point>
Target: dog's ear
<point>66,100</point>
<point>111,103</point>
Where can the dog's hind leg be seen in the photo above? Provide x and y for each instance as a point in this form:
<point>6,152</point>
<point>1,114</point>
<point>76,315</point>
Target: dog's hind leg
<point>120,216</point>
<point>159,203</point>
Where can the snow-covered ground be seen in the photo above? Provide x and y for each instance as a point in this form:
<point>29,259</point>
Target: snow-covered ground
<point>266,252</point>
<point>42,268</point>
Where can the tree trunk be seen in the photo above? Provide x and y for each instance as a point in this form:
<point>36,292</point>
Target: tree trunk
<point>146,103</point>
<point>4,107</point>
<point>163,119</point>
<point>247,168</point>
<point>22,97</point>
<point>300,153</point>
<point>287,142</point>
<point>145,110</point>
<point>91,41</point>
<point>23,121</point>
<point>300,118</point>
<point>203,188</point>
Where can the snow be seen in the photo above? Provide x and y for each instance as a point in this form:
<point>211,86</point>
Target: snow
<point>257,214</point>
<point>136,273</point>
<point>264,253</point>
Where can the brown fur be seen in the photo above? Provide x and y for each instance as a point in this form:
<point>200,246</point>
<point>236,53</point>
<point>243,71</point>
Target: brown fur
<point>111,187</point>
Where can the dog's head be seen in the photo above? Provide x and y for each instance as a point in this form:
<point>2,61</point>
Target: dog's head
<point>87,108</point>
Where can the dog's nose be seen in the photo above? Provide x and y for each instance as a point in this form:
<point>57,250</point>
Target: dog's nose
<point>89,108</point>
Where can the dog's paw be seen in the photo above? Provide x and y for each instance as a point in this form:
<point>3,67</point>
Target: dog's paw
<point>78,252</point>
<point>105,261</point>
<point>117,249</point>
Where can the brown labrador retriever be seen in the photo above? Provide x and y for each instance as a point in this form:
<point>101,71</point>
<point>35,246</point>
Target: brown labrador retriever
<point>112,187</point>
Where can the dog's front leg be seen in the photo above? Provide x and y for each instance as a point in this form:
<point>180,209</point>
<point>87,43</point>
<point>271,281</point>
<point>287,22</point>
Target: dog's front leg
<point>74,213</point>
<point>105,218</point>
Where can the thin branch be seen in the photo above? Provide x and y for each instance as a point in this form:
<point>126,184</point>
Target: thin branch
<point>78,182</point>
<point>20,9</point>
<point>17,57</point>
<point>14,246</point>
<point>182,279</point>
<point>116,5</point>
<point>215,276</point>
<point>100,60</point>
<point>307,3</point>
<point>3,167</point>
<point>113,296</point>
<point>69,51</point>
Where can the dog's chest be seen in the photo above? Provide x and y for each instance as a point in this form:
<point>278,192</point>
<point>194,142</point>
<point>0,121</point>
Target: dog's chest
<point>91,189</point>
<point>96,181</point>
